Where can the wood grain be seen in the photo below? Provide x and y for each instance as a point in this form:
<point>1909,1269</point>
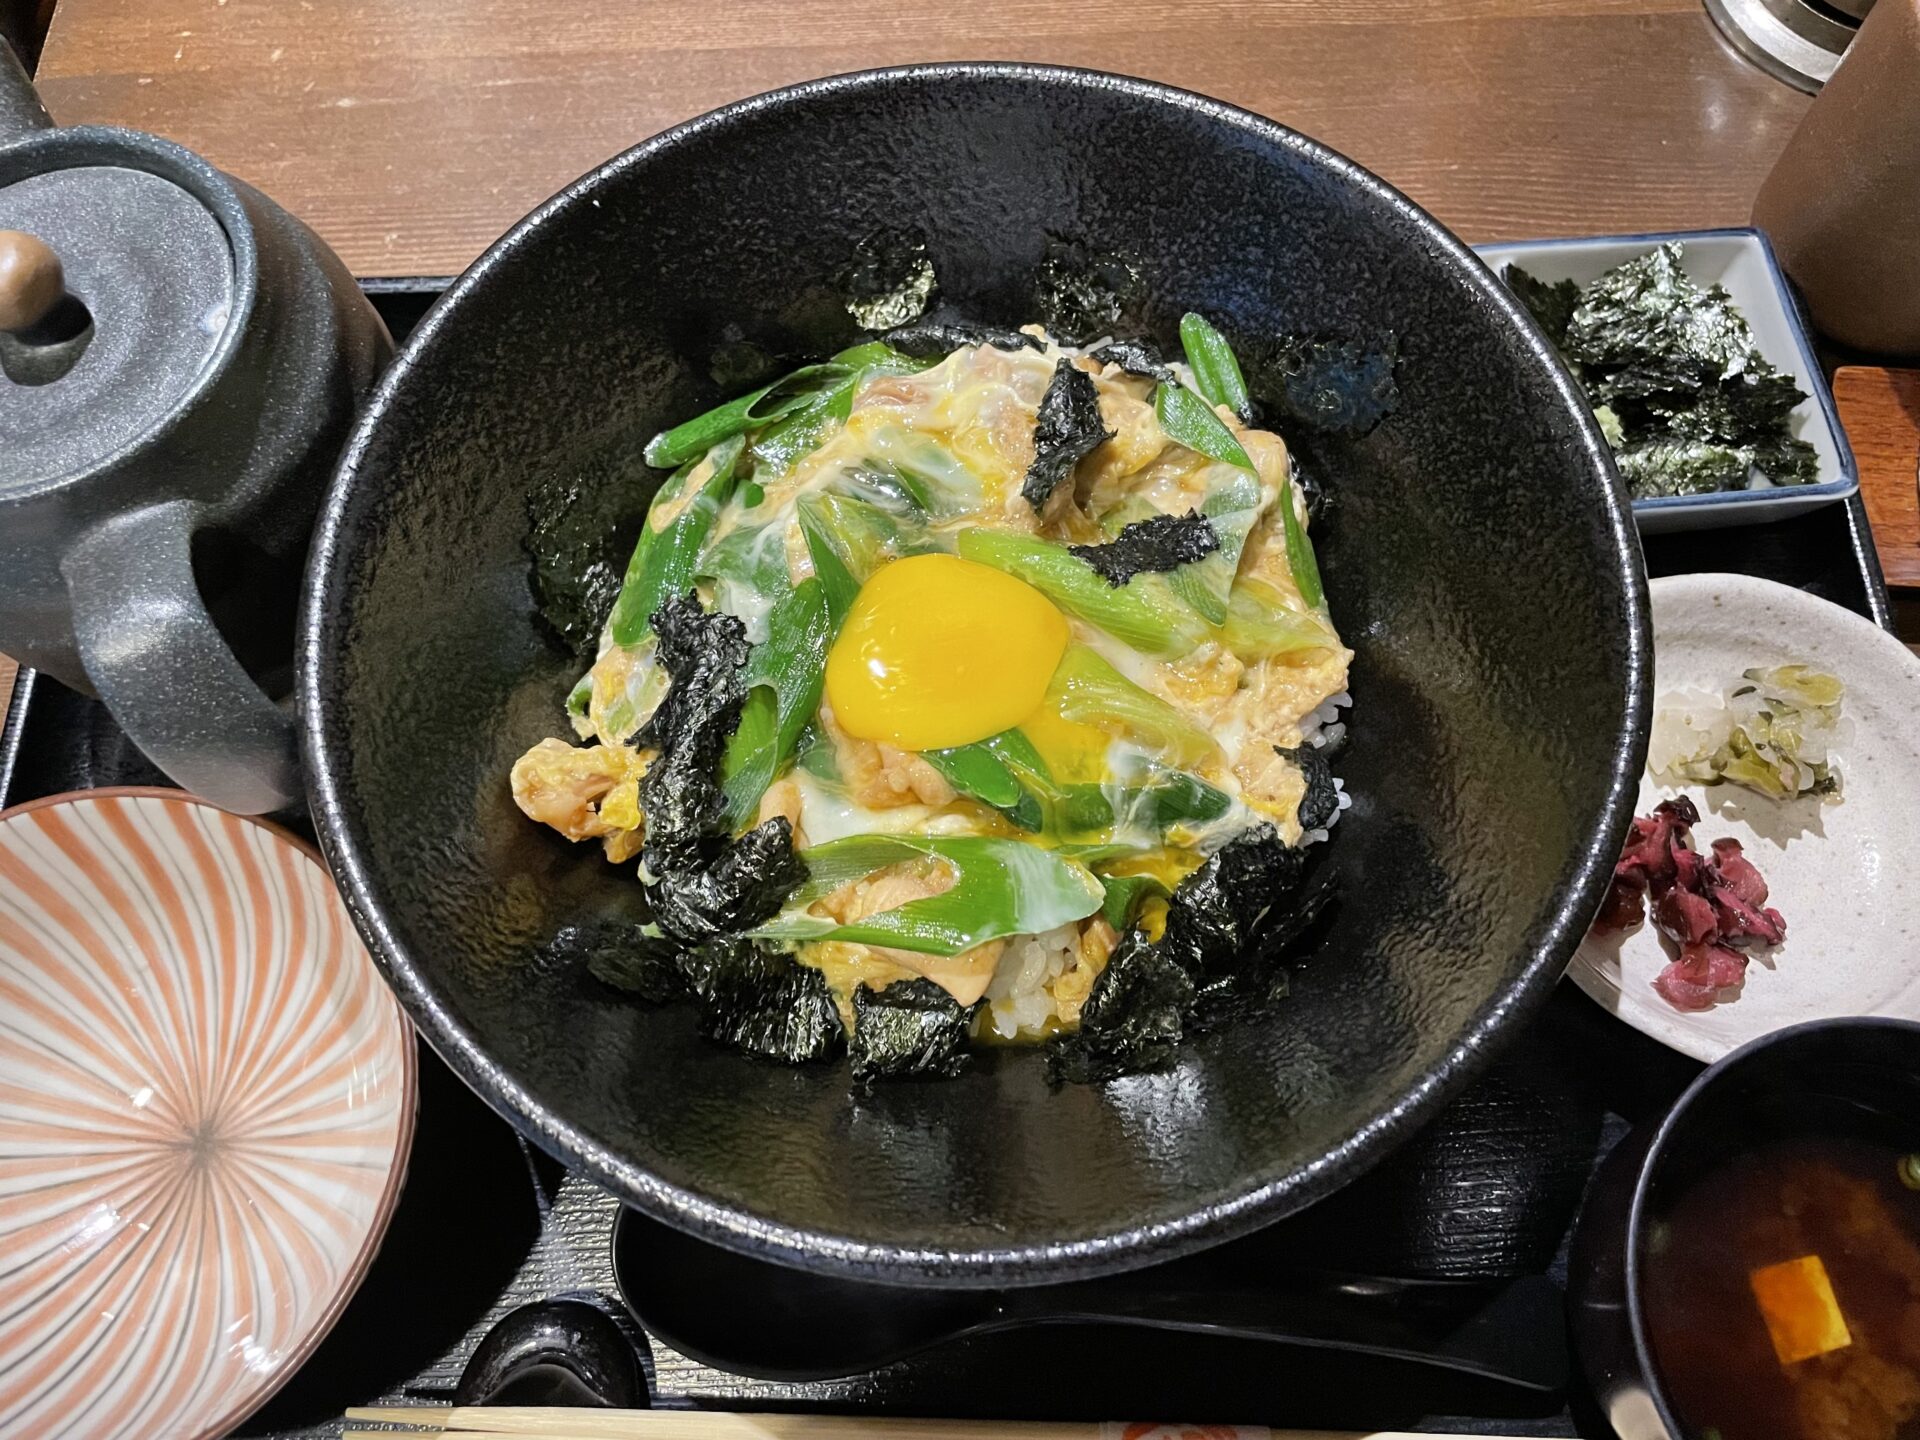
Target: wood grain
<point>537,1423</point>
<point>1880,410</point>
<point>410,133</point>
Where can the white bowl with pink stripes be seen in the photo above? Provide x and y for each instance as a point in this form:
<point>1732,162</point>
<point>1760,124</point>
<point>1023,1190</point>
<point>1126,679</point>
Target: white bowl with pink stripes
<point>206,1100</point>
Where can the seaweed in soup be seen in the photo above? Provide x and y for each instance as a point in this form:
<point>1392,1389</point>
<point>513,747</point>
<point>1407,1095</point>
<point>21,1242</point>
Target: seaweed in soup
<point>1159,544</point>
<point>912,1028</point>
<point>1068,429</point>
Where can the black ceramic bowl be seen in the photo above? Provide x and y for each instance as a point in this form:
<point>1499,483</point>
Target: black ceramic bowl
<point>1478,555</point>
<point>1848,1077</point>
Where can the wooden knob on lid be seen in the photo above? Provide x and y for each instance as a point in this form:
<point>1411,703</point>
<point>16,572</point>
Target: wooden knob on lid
<point>31,280</point>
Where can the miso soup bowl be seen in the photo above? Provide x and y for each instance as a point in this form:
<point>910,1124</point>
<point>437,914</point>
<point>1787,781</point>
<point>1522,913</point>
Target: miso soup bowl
<point>1785,1083</point>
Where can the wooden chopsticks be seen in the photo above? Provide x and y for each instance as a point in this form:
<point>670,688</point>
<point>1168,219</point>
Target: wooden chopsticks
<point>565,1424</point>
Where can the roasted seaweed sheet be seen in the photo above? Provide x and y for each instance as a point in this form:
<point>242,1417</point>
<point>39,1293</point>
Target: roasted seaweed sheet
<point>1165,542</point>
<point>1067,430</point>
<point>581,529</point>
<point>912,1028</point>
<point>1689,403</point>
<point>1225,926</point>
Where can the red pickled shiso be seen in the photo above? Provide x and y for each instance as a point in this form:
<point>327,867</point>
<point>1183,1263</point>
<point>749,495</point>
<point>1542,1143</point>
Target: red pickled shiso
<point>1713,907</point>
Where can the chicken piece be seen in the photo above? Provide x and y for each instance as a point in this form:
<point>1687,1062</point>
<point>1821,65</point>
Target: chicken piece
<point>1273,786</point>
<point>1071,988</point>
<point>1203,679</point>
<point>964,976</point>
<point>1137,441</point>
<point>783,798</point>
<point>1276,695</point>
<point>882,777</point>
<point>583,791</point>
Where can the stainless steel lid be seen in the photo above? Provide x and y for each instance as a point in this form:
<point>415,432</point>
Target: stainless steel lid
<point>1798,41</point>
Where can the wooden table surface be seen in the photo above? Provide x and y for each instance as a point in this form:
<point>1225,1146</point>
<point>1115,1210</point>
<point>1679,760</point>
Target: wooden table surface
<point>410,133</point>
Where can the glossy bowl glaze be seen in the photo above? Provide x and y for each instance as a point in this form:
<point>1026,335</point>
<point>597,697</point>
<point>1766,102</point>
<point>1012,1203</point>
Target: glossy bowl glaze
<point>1478,554</point>
<point>206,1100</point>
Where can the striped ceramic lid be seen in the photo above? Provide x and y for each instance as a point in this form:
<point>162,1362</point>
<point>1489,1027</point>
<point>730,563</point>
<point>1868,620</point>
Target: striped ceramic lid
<point>206,1097</point>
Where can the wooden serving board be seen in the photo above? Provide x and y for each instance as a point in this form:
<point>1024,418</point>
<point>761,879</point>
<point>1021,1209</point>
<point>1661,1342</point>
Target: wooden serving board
<point>1880,410</point>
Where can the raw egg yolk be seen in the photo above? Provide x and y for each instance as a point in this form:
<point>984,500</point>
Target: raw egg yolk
<point>940,651</point>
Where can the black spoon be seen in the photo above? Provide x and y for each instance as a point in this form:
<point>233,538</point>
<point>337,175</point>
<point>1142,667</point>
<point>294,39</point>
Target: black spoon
<point>769,1322</point>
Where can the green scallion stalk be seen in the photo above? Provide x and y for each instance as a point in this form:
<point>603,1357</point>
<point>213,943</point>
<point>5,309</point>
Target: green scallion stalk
<point>1190,421</point>
<point>1306,570</point>
<point>1002,888</point>
<point>1143,613</point>
<point>1216,373</point>
<point>664,560</point>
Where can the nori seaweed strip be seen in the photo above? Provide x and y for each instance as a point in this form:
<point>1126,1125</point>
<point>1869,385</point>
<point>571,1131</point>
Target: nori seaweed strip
<point>1786,460</point>
<point>1338,386</point>
<point>763,1002</point>
<point>1313,489</point>
<point>1080,293</point>
<point>1133,1018</point>
<point>1136,357</point>
<point>1216,912</point>
<point>890,281</point>
<point>741,886</point>
<point>912,1028</point>
<point>1647,326</point>
<point>1162,543</point>
<point>1067,430</point>
<point>704,655</point>
<point>620,954</point>
<point>698,882</point>
<point>1753,405</point>
<point>1223,933</point>
<point>1551,306</point>
<point>1321,802</point>
<point>1681,467</point>
<point>581,529</point>
<point>936,339</point>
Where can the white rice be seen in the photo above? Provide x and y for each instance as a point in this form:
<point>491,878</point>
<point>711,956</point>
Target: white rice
<point>1325,730</point>
<point>1017,998</point>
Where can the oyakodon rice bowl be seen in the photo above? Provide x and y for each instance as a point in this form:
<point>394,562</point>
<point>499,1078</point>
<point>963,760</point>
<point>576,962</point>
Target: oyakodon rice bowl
<point>962,687</point>
<point>1475,552</point>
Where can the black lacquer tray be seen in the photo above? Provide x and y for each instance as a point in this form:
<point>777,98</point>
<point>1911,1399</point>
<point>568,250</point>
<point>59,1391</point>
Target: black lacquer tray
<point>1489,1190</point>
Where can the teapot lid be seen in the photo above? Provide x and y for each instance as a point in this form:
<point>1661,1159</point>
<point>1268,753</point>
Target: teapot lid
<point>118,277</point>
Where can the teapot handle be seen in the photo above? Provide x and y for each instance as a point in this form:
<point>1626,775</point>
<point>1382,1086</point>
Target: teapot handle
<point>20,109</point>
<point>162,667</point>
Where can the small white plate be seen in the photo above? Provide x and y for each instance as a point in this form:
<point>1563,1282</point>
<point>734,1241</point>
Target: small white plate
<point>1846,875</point>
<point>1743,261</point>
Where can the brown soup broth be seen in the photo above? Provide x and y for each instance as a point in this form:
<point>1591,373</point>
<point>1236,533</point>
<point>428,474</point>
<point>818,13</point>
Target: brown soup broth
<point>1837,1198</point>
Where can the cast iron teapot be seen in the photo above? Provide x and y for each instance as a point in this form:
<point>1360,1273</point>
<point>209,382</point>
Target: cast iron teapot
<point>180,361</point>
